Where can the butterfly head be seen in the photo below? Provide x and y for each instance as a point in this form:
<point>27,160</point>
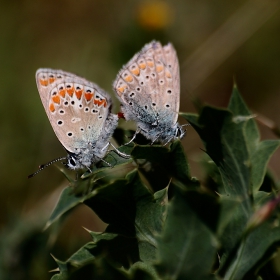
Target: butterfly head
<point>73,162</point>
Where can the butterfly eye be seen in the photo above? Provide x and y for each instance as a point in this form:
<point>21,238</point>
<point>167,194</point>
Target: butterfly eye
<point>132,94</point>
<point>66,103</point>
<point>154,104</point>
<point>100,117</point>
<point>72,161</point>
<point>60,122</point>
<point>169,91</point>
<point>167,105</point>
<point>86,109</point>
<point>81,106</point>
<point>82,129</point>
<point>61,112</point>
<point>69,134</point>
<point>146,107</point>
<point>72,102</point>
<point>161,82</point>
<point>138,89</point>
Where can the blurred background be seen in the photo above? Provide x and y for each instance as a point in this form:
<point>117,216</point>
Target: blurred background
<point>217,42</point>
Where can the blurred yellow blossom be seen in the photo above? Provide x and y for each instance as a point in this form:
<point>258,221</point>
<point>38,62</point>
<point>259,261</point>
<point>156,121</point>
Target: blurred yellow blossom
<point>154,14</point>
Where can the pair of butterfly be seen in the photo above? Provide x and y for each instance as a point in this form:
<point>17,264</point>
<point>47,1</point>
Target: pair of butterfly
<point>148,87</point>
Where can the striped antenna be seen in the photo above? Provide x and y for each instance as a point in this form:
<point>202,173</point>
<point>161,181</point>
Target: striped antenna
<point>43,166</point>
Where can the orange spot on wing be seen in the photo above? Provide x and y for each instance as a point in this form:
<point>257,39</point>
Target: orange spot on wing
<point>51,80</point>
<point>103,102</point>
<point>122,89</point>
<point>135,70</point>
<point>159,68</point>
<point>79,93</point>
<point>62,92</point>
<point>168,74</point>
<point>56,99</point>
<point>99,102</point>
<point>142,66</point>
<point>128,78</point>
<point>43,82</point>
<point>88,96</point>
<point>70,91</point>
<point>52,108</point>
<point>150,63</point>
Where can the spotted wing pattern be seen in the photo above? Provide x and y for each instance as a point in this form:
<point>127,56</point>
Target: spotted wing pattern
<point>148,87</point>
<point>77,109</point>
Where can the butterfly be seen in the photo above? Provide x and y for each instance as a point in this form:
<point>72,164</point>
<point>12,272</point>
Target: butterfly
<point>80,114</point>
<point>148,87</point>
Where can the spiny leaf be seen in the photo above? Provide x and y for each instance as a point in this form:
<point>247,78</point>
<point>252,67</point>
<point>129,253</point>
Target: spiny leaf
<point>186,249</point>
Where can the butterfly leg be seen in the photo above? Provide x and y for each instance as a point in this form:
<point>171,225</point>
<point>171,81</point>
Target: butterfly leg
<point>182,133</point>
<point>156,138</point>
<point>118,152</point>
<point>168,141</point>
<point>133,137</point>
<point>105,147</point>
<point>109,164</point>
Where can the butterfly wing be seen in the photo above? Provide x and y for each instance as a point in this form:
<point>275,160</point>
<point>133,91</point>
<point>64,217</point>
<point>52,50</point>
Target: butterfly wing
<point>148,87</point>
<point>77,109</point>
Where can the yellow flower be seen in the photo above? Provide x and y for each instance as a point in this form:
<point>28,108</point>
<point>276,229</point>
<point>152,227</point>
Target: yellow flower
<point>154,14</point>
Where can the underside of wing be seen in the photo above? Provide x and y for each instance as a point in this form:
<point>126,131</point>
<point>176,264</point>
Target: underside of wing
<point>77,108</point>
<point>148,86</point>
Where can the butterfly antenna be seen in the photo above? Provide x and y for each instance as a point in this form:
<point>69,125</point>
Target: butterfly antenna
<point>43,166</point>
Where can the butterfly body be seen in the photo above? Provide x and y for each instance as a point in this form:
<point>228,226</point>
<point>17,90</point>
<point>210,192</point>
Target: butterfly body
<point>148,87</point>
<point>79,112</point>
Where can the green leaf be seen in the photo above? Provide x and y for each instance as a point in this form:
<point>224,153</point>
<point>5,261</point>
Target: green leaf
<point>70,198</point>
<point>178,164</point>
<point>229,212</point>
<point>150,216</point>
<point>153,153</point>
<point>252,249</point>
<point>259,159</point>
<point>259,151</point>
<point>143,271</point>
<point>187,248</point>
<point>231,139</point>
<point>100,269</point>
<point>67,201</point>
<point>225,144</point>
<point>161,164</point>
<point>223,135</point>
<point>130,209</point>
<point>133,211</point>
